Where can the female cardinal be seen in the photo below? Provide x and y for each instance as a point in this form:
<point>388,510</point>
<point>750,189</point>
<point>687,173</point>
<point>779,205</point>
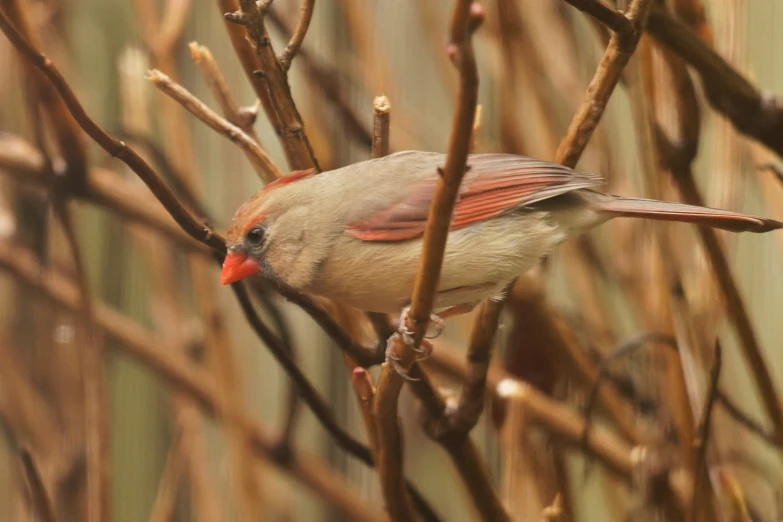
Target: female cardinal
<point>355,234</point>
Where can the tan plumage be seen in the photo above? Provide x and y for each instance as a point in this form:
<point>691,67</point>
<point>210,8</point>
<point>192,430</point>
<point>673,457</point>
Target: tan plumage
<point>354,234</point>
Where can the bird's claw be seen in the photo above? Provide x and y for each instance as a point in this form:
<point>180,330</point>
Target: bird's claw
<point>395,359</point>
<point>436,323</point>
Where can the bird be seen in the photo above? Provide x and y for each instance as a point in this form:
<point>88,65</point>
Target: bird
<point>355,234</point>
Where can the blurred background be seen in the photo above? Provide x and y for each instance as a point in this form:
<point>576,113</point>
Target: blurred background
<point>649,290</point>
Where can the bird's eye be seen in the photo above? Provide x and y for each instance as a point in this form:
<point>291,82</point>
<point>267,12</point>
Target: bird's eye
<point>255,237</point>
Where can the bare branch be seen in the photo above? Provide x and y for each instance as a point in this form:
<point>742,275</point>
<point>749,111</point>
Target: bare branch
<point>263,165</point>
<point>604,13</point>
<point>305,15</point>
<point>242,118</point>
<point>466,18</point>
<point>281,109</point>
<point>621,47</point>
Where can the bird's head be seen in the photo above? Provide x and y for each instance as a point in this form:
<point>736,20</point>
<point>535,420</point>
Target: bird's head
<point>265,234</point>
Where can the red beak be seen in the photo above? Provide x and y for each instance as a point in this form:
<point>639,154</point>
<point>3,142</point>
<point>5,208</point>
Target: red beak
<point>237,266</point>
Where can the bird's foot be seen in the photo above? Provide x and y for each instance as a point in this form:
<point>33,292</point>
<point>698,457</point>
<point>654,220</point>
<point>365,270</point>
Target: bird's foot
<point>434,328</point>
<point>394,359</point>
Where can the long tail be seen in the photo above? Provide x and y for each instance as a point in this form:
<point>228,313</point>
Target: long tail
<point>668,211</point>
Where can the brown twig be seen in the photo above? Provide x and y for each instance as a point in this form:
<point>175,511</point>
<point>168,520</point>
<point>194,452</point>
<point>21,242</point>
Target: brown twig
<point>604,13</point>
<point>163,359</point>
<point>466,18</point>
<point>281,110</point>
<point>326,78</point>
<point>40,499</point>
<point>305,15</point>
<point>244,118</point>
<point>471,401</point>
<point>700,479</point>
<point>730,93</point>
<point>261,162</point>
<point>621,46</point>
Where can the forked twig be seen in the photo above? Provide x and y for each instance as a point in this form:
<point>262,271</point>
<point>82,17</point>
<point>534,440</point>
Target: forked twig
<point>261,162</point>
<point>305,15</point>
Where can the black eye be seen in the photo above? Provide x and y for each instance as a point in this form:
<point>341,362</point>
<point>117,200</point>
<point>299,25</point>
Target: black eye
<point>255,237</point>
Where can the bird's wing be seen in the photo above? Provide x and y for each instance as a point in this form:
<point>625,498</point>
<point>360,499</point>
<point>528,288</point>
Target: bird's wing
<point>495,184</point>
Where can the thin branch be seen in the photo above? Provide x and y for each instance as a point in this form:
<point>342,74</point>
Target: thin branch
<point>161,358</point>
<point>306,390</point>
<point>281,110</point>
<point>471,401</point>
<point>114,147</point>
<point>326,78</point>
<point>621,46</point>
<point>700,486</point>
<point>466,18</point>
<point>40,499</point>
<point>305,15</point>
<point>604,13</point>
<point>242,118</point>
<point>261,162</point>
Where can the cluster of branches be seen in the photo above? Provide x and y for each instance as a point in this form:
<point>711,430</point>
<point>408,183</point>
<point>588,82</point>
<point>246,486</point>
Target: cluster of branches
<point>175,210</point>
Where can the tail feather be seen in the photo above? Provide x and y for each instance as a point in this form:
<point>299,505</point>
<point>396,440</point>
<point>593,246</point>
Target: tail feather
<point>669,211</point>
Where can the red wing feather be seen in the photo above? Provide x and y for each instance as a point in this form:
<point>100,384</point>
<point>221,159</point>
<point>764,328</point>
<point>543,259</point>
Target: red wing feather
<point>496,183</point>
